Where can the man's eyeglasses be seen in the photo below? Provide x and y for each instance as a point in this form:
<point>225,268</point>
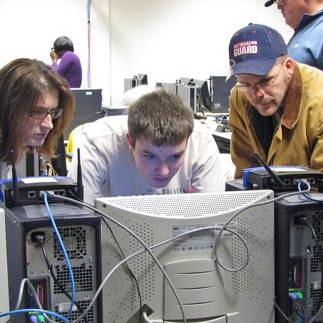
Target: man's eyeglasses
<point>263,84</point>
<point>41,113</point>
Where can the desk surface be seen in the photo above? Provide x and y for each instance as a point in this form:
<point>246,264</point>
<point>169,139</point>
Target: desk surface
<point>213,125</point>
<point>222,138</point>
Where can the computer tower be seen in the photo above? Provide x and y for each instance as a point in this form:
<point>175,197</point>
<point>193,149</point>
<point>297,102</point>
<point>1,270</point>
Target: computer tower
<point>188,94</point>
<point>299,257</point>
<point>27,231</point>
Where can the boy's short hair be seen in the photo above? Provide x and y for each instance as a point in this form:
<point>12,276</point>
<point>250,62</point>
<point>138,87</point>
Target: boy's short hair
<point>160,117</point>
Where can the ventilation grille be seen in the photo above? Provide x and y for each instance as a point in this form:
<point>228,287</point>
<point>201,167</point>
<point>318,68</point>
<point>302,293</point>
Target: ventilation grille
<point>145,216</point>
<point>248,280</point>
<point>318,225</point>
<point>317,258</point>
<point>189,205</point>
<point>89,318</point>
<point>75,243</point>
<point>142,267</point>
<point>81,244</point>
<point>317,300</point>
<point>316,261</point>
<point>82,277</point>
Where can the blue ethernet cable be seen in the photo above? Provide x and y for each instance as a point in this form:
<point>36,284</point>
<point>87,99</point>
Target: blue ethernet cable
<point>64,252</point>
<point>36,310</point>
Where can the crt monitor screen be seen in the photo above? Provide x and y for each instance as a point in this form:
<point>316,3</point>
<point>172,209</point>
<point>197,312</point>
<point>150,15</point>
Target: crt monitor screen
<point>220,92</point>
<point>88,104</point>
<point>208,292</point>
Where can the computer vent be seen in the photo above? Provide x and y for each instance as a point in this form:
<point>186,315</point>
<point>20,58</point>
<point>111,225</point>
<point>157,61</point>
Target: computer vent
<point>142,267</point>
<point>89,318</point>
<point>247,281</point>
<point>190,205</point>
<point>75,243</point>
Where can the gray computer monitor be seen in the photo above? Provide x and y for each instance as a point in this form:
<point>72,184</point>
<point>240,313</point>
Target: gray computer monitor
<point>88,104</point>
<point>207,292</point>
<point>220,92</point>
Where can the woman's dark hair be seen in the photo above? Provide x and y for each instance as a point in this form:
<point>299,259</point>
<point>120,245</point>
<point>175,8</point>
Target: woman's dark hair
<point>63,43</point>
<point>22,83</point>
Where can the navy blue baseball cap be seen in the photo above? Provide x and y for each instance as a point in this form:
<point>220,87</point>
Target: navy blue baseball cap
<point>254,50</point>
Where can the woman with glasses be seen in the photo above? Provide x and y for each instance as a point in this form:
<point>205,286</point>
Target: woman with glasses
<point>36,105</point>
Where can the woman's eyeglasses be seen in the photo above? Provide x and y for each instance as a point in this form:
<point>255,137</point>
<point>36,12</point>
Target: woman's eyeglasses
<point>41,113</point>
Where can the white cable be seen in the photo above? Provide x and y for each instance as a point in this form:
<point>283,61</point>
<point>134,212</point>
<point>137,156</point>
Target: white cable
<point>145,317</point>
<point>107,277</point>
<point>31,286</point>
<point>240,211</point>
<point>21,291</point>
<point>138,239</point>
<point>223,228</point>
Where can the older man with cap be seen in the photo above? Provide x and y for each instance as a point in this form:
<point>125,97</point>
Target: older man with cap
<point>306,18</point>
<point>276,106</point>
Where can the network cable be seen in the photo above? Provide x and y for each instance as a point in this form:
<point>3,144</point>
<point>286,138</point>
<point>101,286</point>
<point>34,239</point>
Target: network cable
<point>239,212</point>
<point>208,228</point>
<point>221,230</point>
<point>35,310</point>
<point>128,268</point>
<point>50,269</point>
<point>281,312</point>
<point>138,239</point>
<point>64,252</point>
<point>304,193</point>
<point>20,296</point>
<point>308,197</point>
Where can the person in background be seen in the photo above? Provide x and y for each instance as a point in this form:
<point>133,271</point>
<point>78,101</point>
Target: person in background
<point>36,105</point>
<point>70,66</point>
<point>153,150</point>
<point>306,18</point>
<point>276,104</point>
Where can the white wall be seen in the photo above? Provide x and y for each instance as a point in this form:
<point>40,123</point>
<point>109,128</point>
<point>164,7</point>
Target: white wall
<point>29,28</point>
<point>166,39</point>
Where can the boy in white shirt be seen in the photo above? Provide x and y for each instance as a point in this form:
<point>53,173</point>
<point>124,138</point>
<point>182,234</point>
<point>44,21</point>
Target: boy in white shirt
<point>153,150</point>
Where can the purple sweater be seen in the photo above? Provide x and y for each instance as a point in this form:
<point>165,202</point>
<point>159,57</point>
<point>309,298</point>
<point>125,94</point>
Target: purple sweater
<point>70,68</point>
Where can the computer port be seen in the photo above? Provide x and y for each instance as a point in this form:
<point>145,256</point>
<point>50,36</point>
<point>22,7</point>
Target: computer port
<point>40,285</point>
<point>38,237</point>
<point>296,273</point>
<point>31,194</point>
<point>287,181</point>
<point>52,192</point>
<point>59,192</point>
<point>311,181</point>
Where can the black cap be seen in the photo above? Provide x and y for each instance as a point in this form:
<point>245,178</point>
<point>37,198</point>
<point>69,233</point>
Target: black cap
<point>269,3</point>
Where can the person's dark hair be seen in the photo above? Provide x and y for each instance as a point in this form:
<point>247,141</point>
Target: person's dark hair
<point>22,83</point>
<point>63,43</point>
<point>161,118</point>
